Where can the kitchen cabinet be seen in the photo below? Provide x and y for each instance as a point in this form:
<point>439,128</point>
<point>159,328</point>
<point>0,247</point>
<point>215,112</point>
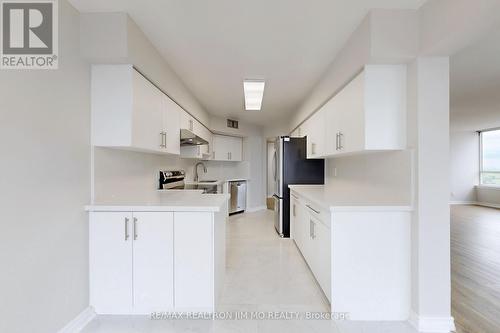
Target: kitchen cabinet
<point>146,261</point>
<point>129,112</point>
<point>153,260</point>
<point>319,250</point>
<point>110,260</point>
<point>315,130</point>
<point>312,236</point>
<point>354,251</point>
<point>123,246</point>
<point>193,261</point>
<point>227,148</point>
<point>368,114</point>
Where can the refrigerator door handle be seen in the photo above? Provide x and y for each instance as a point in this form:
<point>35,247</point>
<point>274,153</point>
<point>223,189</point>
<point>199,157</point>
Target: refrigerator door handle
<point>275,170</point>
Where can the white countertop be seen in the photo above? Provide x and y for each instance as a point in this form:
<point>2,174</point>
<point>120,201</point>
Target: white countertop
<point>336,201</point>
<point>171,201</point>
<point>202,182</point>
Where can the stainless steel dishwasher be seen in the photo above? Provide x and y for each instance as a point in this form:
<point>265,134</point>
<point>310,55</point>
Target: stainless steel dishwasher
<point>238,201</point>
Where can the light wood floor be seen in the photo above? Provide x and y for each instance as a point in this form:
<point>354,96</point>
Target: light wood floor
<point>475,269</point>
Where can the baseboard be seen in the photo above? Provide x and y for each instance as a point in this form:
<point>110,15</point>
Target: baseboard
<point>487,204</point>
<point>432,324</point>
<point>463,203</point>
<point>79,322</point>
<point>256,209</point>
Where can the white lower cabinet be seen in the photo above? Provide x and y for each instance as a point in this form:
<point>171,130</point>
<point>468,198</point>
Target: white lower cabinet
<point>139,262</point>
<point>153,260</point>
<point>193,261</point>
<point>110,260</point>
<point>312,236</point>
<point>359,255</point>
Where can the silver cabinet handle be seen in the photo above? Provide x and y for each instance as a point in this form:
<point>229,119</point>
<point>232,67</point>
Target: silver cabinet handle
<point>314,210</point>
<point>293,210</point>
<point>163,136</point>
<point>337,141</point>
<point>135,228</point>
<point>313,148</point>
<point>190,124</point>
<point>341,145</point>
<point>228,156</point>
<point>126,229</point>
<point>313,231</point>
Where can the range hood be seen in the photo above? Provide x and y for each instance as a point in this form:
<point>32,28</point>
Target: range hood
<point>188,138</point>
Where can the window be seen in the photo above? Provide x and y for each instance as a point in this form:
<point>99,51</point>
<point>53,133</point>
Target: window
<point>490,157</point>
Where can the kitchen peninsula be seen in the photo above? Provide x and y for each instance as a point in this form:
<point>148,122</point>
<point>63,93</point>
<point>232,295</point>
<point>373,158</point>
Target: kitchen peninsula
<point>167,255</point>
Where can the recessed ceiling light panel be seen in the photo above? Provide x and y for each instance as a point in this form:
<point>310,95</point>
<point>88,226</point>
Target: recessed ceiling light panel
<point>254,92</point>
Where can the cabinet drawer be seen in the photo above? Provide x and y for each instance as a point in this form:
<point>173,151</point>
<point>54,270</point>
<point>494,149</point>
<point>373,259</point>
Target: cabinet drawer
<point>321,214</point>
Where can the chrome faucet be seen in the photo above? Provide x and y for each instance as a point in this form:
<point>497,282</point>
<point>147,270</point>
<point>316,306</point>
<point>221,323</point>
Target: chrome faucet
<point>196,170</point>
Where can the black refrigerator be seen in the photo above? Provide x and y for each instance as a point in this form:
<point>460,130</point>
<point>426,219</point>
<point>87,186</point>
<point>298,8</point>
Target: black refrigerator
<point>292,167</point>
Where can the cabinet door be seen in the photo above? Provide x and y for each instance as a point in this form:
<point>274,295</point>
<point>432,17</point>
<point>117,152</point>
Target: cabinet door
<point>322,255</point>
<point>171,125</point>
<point>302,224</point>
<point>236,148</point>
<point>186,121</point>
<point>153,261</point>
<point>147,123</point>
<point>193,261</point>
<point>316,134</point>
<point>221,148</point>
<point>350,117</point>
<point>110,262</point>
<point>332,126</point>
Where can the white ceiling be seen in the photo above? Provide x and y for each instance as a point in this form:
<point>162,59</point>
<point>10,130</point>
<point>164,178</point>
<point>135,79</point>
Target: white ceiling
<point>475,84</point>
<point>214,45</point>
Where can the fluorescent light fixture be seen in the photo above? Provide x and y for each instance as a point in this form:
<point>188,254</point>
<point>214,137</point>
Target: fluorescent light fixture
<point>254,92</point>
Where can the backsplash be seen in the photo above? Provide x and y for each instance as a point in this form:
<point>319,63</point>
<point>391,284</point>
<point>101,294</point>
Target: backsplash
<point>386,176</point>
<point>122,176</point>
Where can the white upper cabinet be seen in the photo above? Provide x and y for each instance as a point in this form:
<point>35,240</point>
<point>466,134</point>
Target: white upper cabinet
<point>227,148</point>
<point>368,114</point>
<point>171,113</point>
<point>315,127</point>
<point>129,112</point>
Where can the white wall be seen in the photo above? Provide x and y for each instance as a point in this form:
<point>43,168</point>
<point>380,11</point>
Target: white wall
<point>115,38</point>
<point>372,175</point>
<point>428,135</point>
<point>464,166</point>
<point>488,196</point>
<point>45,180</point>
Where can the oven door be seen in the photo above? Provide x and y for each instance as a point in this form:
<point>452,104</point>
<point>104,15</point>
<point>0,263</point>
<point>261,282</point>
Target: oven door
<point>278,215</point>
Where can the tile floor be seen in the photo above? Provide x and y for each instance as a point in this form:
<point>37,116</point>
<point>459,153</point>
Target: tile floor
<point>264,273</point>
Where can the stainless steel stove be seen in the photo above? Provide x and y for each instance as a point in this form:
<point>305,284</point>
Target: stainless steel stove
<point>175,180</point>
